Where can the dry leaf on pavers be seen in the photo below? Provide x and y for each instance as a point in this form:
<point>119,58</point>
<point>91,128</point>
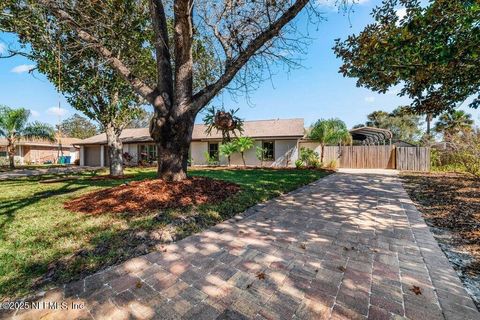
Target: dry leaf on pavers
<point>341,268</point>
<point>303,246</point>
<point>261,276</point>
<point>416,290</point>
<point>139,284</point>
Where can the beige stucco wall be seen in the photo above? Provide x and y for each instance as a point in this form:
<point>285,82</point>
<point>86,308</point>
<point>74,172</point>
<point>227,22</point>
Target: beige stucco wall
<point>284,153</point>
<point>283,149</point>
<point>197,152</point>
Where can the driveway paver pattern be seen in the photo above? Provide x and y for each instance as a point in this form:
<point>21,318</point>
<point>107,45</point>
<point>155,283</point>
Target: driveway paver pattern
<point>349,246</point>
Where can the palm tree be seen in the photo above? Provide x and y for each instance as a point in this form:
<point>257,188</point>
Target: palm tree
<point>14,126</point>
<point>329,131</point>
<point>227,149</point>
<point>454,122</point>
<point>243,144</point>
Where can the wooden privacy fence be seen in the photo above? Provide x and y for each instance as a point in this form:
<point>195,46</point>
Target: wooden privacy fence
<point>368,157</point>
<point>374,157</point>
<point>413,158</point>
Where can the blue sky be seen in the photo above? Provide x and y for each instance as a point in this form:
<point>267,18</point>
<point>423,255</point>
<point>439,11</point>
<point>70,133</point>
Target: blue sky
<point>314,91</point>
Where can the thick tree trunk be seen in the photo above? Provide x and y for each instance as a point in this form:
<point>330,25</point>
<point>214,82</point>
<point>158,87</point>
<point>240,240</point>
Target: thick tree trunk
<point>115,150</point>
<point>173,139</point>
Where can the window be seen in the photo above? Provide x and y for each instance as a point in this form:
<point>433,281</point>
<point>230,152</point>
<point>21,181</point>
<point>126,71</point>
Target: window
<point>269,150</point>
<point>148,152</point>
<point>213,151</point>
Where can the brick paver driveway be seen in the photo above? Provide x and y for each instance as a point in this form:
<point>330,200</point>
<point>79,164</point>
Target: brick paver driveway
<point>349,246</point>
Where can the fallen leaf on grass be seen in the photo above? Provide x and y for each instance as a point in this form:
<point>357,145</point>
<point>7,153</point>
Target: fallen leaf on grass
<point>139,284</point>
<point>341,268</point>
<point>303,246</point>
<point>416,290</point>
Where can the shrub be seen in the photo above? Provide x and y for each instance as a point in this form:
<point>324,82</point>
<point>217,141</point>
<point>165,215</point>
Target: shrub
<point>309,158</point>
<point>298,164</point>
<point>332,164</point>
<point>211,161</point>
<point>461,154</point>
<point>470,161</point>
<point>127,157</point>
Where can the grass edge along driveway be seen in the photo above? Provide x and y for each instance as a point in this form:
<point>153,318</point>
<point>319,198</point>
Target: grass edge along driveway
<point>42,244</point>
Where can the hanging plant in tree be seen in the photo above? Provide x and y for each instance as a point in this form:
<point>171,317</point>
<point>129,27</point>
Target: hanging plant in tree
<point>224,121</point>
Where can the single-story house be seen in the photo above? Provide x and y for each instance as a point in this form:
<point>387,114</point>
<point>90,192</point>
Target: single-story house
<point>278,137</point>
<point>42,151</point>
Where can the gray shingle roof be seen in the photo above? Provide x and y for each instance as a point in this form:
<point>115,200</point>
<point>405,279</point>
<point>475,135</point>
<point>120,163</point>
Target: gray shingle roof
<point>279,128</point>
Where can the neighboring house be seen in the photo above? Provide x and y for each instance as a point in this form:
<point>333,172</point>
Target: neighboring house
<point>279,137</point>
<point>40,151</point>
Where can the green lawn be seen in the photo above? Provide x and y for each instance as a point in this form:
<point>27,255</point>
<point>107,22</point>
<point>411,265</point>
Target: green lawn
<point>41,243</point>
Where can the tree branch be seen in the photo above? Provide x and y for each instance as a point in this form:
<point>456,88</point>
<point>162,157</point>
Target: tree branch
<point>162,50</point>
<point>206,94</point>
<point>138,85</point>
<point>183,54</point>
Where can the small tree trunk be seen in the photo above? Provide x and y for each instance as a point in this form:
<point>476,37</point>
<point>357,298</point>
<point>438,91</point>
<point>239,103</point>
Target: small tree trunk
<point>428,120</point>
<point>11,153</point>
<point>243,160</point>
<point>11,157</point>
<point>323,149</point>
<point>115,148</point>
<point>228,158</point>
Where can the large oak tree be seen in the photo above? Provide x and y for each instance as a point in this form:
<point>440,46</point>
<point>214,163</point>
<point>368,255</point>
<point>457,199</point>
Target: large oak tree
<point>432,52</point>
<point>246,36</point>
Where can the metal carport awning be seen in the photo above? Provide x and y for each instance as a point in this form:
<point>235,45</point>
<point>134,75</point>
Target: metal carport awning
<point>371,135</point>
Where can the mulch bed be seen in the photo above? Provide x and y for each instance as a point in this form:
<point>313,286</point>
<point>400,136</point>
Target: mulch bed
<point>148,195</point>
<point>109,177</point>
<point>451,202</point>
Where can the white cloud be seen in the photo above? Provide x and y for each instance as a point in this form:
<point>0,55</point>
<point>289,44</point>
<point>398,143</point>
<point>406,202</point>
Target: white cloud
<point>3,48</point>
<point>56,111</point>
<point>34,113</point>
<point>370,99</point>
<point>401,13</point>
<point>23,68</point>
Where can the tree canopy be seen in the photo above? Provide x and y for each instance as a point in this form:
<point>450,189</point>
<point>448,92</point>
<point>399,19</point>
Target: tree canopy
<point>453,123</point>
<point>403,124</point>
<point>329,131</point>
<point>240,38</point>
<point>77,126</point>
<point>432,52</point>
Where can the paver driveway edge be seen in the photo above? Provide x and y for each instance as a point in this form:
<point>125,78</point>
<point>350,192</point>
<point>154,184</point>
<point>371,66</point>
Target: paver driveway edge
<point>348,246</point>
